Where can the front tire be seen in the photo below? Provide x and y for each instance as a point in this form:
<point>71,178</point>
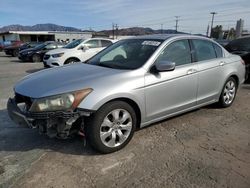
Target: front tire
<point>228,93</point>
<point>111,127</point>
<point>71,61</point>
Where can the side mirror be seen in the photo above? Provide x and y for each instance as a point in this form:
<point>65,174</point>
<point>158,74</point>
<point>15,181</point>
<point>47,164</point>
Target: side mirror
<point>83,48</point>
<point>162,66</point>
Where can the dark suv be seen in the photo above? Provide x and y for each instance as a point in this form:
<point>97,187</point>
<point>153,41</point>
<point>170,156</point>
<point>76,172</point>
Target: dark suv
<point>241,47</point>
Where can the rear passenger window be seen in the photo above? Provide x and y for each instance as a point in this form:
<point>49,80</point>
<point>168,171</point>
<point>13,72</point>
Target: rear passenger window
<point>218,51</point>
<point>177,52</point>
<point>204,50</point>
<point>92,44</point>
<point>105,43</point>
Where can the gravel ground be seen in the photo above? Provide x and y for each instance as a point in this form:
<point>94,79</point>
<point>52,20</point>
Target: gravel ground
<point>209,147</point>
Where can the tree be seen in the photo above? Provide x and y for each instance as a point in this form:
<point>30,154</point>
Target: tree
<point>217,32</point>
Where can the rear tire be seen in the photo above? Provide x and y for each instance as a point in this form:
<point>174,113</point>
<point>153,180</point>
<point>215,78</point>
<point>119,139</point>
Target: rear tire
<point>111,127</point>
<point>36,58</point>
<point>228,93</point>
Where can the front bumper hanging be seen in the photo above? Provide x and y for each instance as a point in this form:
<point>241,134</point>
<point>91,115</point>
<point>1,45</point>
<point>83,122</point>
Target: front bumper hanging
<point>60,124</point>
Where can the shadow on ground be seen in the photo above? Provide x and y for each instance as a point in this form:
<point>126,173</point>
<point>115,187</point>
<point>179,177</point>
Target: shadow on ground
<point>34,70</point>
<point>18,139</point>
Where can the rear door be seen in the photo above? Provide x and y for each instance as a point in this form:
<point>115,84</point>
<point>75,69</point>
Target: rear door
<point>209,58</point>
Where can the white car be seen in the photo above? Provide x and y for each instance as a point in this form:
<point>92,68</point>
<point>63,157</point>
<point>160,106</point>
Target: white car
<point>77,51</point>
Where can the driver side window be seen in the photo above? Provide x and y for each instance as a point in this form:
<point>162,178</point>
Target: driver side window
<point>177,52</point>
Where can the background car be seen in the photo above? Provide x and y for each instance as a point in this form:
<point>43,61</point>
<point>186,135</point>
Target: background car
<point>29,45</point>
<point>1,46</point>
<point>36,54</point>
<point>241,47</point>
<point>76,51</point>
<point>13,48</point>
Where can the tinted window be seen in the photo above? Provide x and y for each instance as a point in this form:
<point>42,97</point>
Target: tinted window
<point>92,44</point>
<point>204,50</point>
<point>218,50</point>
<point>177,52</point>
<point>105,43</point>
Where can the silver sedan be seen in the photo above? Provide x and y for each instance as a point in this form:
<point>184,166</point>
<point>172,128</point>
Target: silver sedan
<point>130,84</point>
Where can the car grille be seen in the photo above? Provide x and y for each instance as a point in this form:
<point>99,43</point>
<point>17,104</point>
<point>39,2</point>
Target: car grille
<point>46,57</point>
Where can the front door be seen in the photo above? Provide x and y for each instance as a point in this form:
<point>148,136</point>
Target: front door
<point>173,91</point>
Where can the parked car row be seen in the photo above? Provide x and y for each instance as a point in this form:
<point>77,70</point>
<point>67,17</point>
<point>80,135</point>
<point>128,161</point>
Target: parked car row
<point>130,84</point>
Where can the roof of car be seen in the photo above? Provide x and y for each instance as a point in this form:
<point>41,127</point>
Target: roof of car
<point>165,36</point>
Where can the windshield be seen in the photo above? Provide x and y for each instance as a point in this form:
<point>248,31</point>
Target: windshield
<point>40,46</point>
<point>73,44</point>
<point>126,54</point>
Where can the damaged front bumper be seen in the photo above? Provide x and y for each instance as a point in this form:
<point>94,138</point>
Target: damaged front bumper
<point>61,124</point>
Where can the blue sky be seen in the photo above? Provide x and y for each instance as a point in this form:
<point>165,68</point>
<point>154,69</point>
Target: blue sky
<point>100,14</point>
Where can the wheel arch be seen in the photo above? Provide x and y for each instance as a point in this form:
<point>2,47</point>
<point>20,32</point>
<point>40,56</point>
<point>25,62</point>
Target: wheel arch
<point>129,101</point>
<point>76,58</point>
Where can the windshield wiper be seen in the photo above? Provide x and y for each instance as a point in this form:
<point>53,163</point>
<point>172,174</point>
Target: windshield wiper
<point>102,65</point>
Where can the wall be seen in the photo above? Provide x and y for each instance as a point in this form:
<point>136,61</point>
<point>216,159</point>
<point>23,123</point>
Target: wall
<point>71,36</point>
<point>9,37</point>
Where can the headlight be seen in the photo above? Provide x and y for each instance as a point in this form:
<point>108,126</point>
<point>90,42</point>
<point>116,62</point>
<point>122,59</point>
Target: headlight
<point>67,101</point>
<point>57,55</point>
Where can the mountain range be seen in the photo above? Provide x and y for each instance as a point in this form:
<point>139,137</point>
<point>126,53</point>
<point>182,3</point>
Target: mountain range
<point>54,27</point>
<point>38,27</point>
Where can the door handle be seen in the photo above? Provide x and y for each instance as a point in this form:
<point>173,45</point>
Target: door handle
<point>222,63</point>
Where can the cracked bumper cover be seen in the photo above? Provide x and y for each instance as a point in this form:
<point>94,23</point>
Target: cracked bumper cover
<point>60,121</point>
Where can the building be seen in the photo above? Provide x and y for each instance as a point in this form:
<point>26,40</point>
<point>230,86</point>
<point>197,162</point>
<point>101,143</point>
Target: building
<point>41,36</point>
<point>239,28</point>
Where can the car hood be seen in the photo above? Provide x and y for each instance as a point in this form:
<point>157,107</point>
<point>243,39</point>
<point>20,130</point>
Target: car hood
<point>62,80</point>
<point>58,50</point>
<point>27,50</point>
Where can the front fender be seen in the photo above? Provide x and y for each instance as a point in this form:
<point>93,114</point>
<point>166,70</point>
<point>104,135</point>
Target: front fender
<point>93,102</point>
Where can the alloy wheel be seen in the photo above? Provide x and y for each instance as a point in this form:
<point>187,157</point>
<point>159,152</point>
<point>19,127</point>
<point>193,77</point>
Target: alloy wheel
<point>229,92</point>
<point>116,128</point>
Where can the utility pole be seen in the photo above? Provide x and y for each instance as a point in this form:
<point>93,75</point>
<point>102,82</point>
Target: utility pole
<point>176,23</point>
<point>161,28</point>
<point>212,23</point>
<point>116,29</point>
<point>208,30</point>
<point>113,30</point>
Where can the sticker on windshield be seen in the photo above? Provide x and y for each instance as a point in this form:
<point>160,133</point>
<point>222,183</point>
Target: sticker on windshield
<point>151,43</point>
